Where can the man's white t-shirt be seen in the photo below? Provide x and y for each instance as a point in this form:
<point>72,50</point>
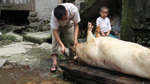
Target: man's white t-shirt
<point>104,24</point>
<point>73,14</point>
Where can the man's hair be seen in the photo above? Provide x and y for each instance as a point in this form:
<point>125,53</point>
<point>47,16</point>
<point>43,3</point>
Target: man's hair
<point>103,7</point>
<point>60,11</point>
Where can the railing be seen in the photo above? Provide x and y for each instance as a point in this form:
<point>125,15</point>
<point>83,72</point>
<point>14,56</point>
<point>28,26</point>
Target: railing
<point>18,4</point>
<point>15,1</point>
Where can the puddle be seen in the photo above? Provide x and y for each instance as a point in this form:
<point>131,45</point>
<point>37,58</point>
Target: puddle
<point>17,74</point>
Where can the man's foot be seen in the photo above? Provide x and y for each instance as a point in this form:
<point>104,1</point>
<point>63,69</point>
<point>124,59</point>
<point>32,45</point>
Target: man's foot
<point>53,68</point>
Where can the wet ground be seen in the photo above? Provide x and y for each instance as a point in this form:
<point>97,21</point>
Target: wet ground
<point>29,63</point>
<point>21,74</point>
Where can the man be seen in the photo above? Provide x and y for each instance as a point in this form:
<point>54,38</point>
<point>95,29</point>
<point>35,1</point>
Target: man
<point>61,18</point>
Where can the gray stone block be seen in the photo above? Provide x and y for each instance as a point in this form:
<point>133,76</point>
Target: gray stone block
<point>148,43</point>
<point>144,42</point>
<point>145,39</point>
<point>148,27</point>
<point>38,37</point>
<point>137,38</point>
<point>18,37</point>
<point>46,27</point>
<point>33,14</point>
<point>30,29</point>
<point>143,34</point>
<point>139,41</point>
<point>146,9</point>
<point>32,19</point>
<point>137,26</point>
<point>34,24</point>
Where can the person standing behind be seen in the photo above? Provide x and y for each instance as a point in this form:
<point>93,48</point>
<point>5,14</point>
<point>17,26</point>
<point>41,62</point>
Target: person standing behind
<point>61,23</point>
<point>103,21</point>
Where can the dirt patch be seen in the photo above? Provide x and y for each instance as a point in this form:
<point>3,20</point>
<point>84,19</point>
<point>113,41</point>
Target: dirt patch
<point>21,74</point>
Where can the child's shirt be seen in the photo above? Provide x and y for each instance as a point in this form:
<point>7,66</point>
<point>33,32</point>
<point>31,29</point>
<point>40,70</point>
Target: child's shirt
<point>104,24</point>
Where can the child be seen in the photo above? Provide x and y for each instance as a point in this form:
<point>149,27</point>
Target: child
<point>103,21</point>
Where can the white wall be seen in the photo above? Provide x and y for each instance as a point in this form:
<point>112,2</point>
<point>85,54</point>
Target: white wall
<point>44,8</point>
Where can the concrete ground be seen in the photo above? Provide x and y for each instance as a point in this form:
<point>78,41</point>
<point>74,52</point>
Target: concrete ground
<point>29,63</point>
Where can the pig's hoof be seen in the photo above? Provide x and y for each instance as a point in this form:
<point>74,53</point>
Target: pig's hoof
<point>74,59</point>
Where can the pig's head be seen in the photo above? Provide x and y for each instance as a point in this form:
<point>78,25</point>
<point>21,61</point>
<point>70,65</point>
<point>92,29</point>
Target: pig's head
<point>78,49</point>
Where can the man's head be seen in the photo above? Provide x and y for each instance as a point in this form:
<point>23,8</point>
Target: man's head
<point>103,11</point>
<point>61,13</point>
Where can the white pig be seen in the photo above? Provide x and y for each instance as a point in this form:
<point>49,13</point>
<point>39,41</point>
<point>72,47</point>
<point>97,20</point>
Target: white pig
<point>115,54</point>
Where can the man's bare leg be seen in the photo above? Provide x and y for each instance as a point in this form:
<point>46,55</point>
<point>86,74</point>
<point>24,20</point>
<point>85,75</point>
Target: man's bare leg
<point>53,68</point>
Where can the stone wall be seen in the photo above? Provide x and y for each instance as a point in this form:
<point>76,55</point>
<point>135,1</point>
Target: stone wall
<point>136,21</point>
<point>44,8</point>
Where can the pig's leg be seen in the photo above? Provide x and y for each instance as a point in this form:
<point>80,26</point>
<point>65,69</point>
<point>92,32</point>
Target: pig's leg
<point>90,36</point>
<point>90,26</point>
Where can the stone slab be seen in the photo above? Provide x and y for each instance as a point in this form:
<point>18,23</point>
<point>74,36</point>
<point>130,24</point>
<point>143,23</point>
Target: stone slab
<point>2,62</point>
<point>38,37</point>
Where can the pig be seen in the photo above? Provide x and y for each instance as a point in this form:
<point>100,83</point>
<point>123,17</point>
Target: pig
<point>114,54</point>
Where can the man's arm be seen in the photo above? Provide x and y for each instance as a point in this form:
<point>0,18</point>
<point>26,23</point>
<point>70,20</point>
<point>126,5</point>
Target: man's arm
<point>76,31</point>
<point>56,35</point>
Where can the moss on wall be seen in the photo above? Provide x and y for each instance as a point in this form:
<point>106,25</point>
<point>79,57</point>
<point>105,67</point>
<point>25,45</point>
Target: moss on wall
<point>127,19</point>
<point>136,21</point>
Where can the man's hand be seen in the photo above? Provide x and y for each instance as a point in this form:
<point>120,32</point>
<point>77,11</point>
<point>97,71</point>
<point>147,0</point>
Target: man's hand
<point>75,43</point>
<point>62,49</point>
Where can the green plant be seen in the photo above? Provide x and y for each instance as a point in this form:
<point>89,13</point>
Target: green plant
<point>7,37</point>
<point>4,32</point>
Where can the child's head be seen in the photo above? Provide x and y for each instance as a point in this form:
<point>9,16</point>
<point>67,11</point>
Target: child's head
<point>103,11</point>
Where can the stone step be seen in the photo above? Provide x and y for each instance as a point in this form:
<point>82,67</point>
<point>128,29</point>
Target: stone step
<point>32,19</point>
<point>33,14</point>
<point>18,37</point>
<point>38,37</point>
